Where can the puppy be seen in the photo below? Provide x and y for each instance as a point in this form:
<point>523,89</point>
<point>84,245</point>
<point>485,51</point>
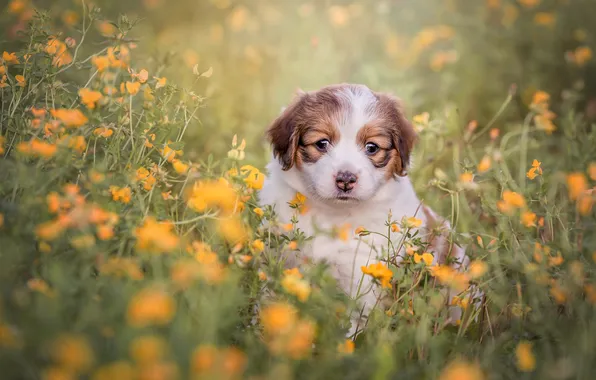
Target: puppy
<point>347,149</point>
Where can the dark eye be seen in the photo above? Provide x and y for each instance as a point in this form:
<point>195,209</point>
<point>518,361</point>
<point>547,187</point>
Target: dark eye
<point>322,145</point>
<point>371,148</point>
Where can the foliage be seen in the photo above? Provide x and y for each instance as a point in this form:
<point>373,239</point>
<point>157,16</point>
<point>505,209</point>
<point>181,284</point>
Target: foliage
<point>123,258</point>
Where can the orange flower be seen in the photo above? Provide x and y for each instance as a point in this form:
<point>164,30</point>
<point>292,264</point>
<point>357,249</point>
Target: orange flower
<point>528,219</point>
<point>462,370</point>
<point>70,118</point>
<point>100,62</point>
<point>484,164</point>
<point>103,132</point>
<point>121,194</point>
<point>161,82</point>
<point>591,170</point>
<point>21,82</point>
<point>426,258</point>
<point>38,148</point>
<point>10,58</point>
<point>59,51</point>
<point>133,87</point>
<point>466,177</point>
<point>73,353</point>
<point>151,306</point>
<point>156,237</point>
<point>510,201</point>
<point>545,18</point>
<point>380,272</point>
<point>232,230</point>
<point>577,185</point>
<point>90,98</point>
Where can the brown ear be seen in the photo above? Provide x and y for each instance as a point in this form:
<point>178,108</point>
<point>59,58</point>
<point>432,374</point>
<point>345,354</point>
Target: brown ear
<point>283,133</point>
<point>402,131</point>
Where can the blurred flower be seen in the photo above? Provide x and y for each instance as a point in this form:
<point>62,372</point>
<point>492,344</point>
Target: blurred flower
<point>293,245</point>
<point>529,3</point>
<point>59,52</point>
<point>150,306</point>
<point>119,370</point>
<point>576,184</point>
<point>71,118</point>
<point>238,18</point>
<point>160,82</point>
<point>278,318</point>
<point>211,362</point>
<point>121,267</point>
<point>294,284</point>
<point>394,227</point>
<point>338,15</point>
<point>442,58</point>
<point>89,97</point>
<point>38,148</point>
<point>147,349</point>
<point>426,258</point>
<point>70,17</point>
<point>103,132</point>
<point>484,164</point>
<point>545,18</point>
<point>100,62</point>
<point>346,348</point>
<point>10,58</point>
<point>466,177</point>
<point>179,166</point>
<point>169,153</point>
<point>120,194</point>
<point>21,82</point>
<point>258,245</point>
<point>580,56</point>
<point>40,286</point>
<point>526,361</point>
<point>462,370</point>
<point>421,121</point>
<point>212,194</point>
<point>232,230</point>
<point>133,87</point>
<point>510,201</point>
<point>156,237</point>
<point>591,166</point>
<point>72,352</point>
<point>380,272</point>
<point>528,219</point>
<point>257,210</point>
<point>450,277</point>
<point>106,28</point>
<point>477,269</point>
<point>412,222</point>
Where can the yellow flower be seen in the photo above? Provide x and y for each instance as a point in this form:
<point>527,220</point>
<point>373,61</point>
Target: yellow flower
<point>535,170</point>
<point>477,269</point>
<point>21,82</point>
<point>147,349</point>
<point>160,82</point>
<point>295,285</point>
<point>293,245</point>
<point>421,121</point>
<point>526,361</point>
<point>462,370</point>
<point>591,167</point>
<point>528,219</point>
<point>394,227</point>
<point>278,318</point>
<point>545,18</point>
<point>258,245</point>
<point>299,203</point>
<point>466,177</point>
<point>70,17</point>
<point>179,166</point>
<point>232,230</point>
<point>208,194</point>
<point>581,55</point>
<point>347,347</point>
<point>100,62</point>
<point>254,178</point>
<point>156,237</point>
<point>121,267</point>
<point>577,185</point>
<point>70,118</point>
<point>540,100</point>
<point>545,123</point>
<point>72,352</point>
<point>262,276</point>
<point>258,211</point>
<point>59,51</point>
<point>150,306</point>
<point>450,277</point>
<point>10,58</point>
<point>426,257</point>
<point>484,164</point>
<point>380,272</point>
<point>90,98</point>
<point>412,222</point>
<point>133,87</point>
<point>343,232</point>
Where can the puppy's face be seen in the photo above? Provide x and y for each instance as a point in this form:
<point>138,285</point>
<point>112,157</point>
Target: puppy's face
<point>344,140</point>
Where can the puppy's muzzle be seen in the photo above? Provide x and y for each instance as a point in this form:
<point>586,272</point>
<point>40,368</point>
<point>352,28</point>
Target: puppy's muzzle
<point>345,181</point>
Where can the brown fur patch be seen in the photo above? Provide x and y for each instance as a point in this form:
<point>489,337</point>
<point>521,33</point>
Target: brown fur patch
<point>402,133</point>
<point>311,117</point>
<point>376,132</point>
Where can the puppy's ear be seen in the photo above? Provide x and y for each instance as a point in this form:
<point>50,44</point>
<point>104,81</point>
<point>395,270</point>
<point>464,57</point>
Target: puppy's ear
<point>283,133</point>
<point>402,132</point>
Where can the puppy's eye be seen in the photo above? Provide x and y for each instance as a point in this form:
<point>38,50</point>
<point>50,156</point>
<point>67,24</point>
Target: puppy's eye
<point>322,145</point>
<point>371,148</point>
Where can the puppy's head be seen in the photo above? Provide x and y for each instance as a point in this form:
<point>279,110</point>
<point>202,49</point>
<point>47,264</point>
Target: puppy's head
<point>345,140</point>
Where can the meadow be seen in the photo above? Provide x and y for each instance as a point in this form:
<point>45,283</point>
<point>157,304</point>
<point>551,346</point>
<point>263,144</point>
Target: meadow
<point>132,150</point>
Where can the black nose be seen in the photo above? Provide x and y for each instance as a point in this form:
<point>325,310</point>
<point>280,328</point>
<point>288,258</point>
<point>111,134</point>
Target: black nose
<point>345,181</point>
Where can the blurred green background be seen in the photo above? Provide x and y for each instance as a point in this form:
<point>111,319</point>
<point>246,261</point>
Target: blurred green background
<point>462,55</point>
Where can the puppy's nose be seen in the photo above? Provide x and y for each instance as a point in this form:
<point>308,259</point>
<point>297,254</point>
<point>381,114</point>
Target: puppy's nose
<point>345,181</point>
